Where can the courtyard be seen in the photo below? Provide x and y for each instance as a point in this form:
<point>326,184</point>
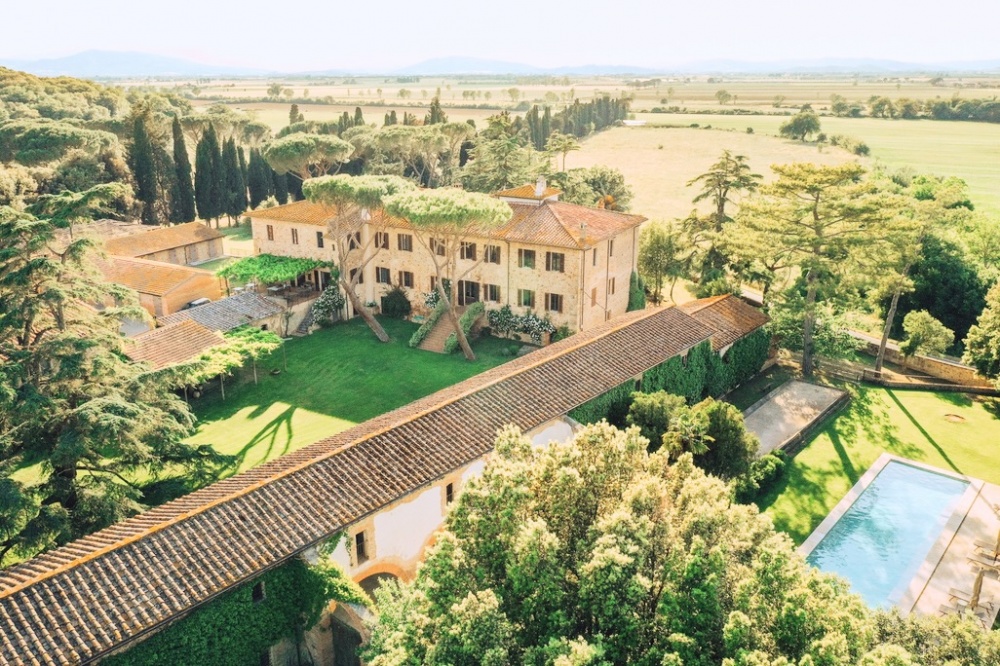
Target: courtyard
<point>336,377</point>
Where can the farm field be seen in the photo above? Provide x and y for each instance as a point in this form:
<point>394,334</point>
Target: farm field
<point>275,114</point>
<point>970,151</point>
<point>658,162</point>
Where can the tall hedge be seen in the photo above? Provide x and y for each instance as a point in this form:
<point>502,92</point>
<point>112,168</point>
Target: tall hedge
<point>701,373</point>
<point>612,406</point>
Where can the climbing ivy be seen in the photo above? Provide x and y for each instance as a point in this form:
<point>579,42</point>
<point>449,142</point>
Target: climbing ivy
<point>612,406</point>
<point>699,374</point>
<point>234,630</point>
<point>468,318</point>
<point>741,362</point>
<point>425,328</point>
<point>636,293</point>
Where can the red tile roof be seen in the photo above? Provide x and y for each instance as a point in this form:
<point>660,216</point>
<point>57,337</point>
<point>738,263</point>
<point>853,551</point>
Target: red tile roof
<point>156,278</point>
<point>158,240</point>
<point>552,223</point>
<point>172,344</point>
<point>78,602</point>
<point>729,316</point>
<point>527,192</point>
<point>302,212</point>
<point>565,224</point>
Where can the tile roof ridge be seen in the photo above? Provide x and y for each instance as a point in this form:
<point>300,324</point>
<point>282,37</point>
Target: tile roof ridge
<point>702,303</point>
<point>584,340</point>
<point>580,243</point>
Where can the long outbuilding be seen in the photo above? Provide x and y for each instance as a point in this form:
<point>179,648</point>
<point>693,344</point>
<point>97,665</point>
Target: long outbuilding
<point>96,595</point>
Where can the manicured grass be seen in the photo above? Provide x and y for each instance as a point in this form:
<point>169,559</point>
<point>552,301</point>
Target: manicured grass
<point>336,377</point>
<point>216,264</point>
<point>948,430</point>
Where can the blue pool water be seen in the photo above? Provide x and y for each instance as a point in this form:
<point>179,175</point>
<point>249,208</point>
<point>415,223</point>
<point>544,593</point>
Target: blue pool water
<point>880,543</point>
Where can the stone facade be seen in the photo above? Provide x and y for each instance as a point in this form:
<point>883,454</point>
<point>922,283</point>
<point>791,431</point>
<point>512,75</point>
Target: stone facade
<point>569,263</point>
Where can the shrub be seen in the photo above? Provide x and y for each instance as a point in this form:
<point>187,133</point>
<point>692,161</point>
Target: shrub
<point>534,326</point>
<point>395,303</point>
<point>561,333</point>
<point>329,304</point>
<point>425,328</point>
<point>636,293</point>
<point>763,474</point>
<point>466,321</point>
<point>502,321</point>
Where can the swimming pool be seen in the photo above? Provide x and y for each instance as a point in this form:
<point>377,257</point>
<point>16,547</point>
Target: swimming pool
<point>880,542</point>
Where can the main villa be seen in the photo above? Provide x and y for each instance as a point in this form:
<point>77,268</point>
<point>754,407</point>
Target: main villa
<point>568,262</point>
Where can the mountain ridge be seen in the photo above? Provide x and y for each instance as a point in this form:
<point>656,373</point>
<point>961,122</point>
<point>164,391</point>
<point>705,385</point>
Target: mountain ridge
<point>128,64</point>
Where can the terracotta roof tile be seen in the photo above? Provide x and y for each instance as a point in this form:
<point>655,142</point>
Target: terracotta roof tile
<point>553,223</point>
<point>172,344</point>
<point>729,316</point>
<point>156,278</point>
<point>565,225</point>
<point>315,491</point>
<point>302,212</point>
<point>226,313</point>
<point>157,240</point>
<point>527,192</point>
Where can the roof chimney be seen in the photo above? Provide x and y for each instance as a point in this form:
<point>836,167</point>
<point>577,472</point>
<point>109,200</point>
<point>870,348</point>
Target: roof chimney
<point>540,187</point>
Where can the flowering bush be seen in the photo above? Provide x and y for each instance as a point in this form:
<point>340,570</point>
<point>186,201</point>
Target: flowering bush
<point>431,298</point>
<point>534,326</point>
<point>329,303</point>
<point>504,322</point>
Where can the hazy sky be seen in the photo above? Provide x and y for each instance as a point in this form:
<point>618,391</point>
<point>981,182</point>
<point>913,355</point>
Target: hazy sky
<point>362,34</point>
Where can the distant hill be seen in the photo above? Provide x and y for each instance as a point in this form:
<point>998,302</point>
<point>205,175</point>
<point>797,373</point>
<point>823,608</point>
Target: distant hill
<point>121,64</point>
<point>462,65</point>
<point>827,66</point>
<point>125,64</point>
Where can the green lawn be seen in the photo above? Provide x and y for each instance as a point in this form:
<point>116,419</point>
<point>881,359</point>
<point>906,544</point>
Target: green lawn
<point>216,264</point>
<point>948,430</point>
<point>336,377</point>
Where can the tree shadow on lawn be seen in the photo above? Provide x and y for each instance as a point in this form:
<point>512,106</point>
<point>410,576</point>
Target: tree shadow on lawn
<point>867,421</point>
<point>922,431</point>
<point>276,434</point>
<point>345,373</point>
<point>957,399</point>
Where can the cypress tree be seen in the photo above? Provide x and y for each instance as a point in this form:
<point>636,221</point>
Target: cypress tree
<point>359,118</point>
<point>390,118</point>
<point>217,185</point>
<point>258,179</point>
<point>234,195</point>
<point>436,114</point>
<point>208,177</point>
<point>182,207</point>
<point>144,170</point>
<point>546,125</point>
<point>243,163</point>
<point>280,181</point>
<point>294,116</point>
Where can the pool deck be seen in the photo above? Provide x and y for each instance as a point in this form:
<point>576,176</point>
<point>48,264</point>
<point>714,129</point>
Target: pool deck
<point>949,571</point>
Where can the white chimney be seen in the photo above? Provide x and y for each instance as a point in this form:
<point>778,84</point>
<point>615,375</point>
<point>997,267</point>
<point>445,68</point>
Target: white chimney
<point>540,187</point>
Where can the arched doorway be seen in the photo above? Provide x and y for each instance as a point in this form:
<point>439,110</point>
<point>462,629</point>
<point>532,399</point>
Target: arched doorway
<point>372,582</point>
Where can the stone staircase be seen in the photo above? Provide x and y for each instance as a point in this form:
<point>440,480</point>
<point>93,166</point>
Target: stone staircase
<point>303,327</point>
<point>438,336</point>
